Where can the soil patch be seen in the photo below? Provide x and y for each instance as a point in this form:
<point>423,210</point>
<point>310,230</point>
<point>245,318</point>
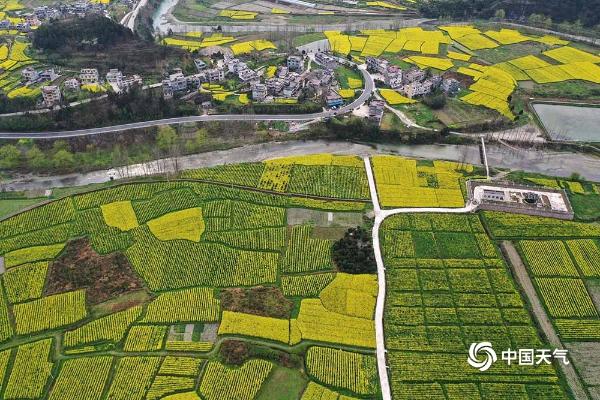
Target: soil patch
<point>260,300</point>
<point>103,277</point>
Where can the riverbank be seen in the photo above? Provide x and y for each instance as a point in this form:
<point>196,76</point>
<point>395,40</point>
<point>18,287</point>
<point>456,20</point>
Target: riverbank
<point>561,164</point>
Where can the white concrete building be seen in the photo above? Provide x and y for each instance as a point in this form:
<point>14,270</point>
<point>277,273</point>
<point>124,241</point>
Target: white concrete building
<point>89,76</point>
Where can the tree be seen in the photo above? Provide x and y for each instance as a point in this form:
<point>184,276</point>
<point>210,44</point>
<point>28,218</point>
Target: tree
<point>500,14</point>
<point>354,252</point>
<point>234,352</point>
<point>63,159</point>
<point>36,158</point>
<point>9,156</point>
<point>166,138</point>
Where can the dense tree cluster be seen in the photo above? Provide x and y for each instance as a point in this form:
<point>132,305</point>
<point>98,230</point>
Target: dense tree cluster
<point>585,11</point>
<point>99,42</point>
<point>354,252</point>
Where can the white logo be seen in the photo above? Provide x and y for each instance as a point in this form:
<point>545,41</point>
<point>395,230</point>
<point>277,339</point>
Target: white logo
<point>490,356</point>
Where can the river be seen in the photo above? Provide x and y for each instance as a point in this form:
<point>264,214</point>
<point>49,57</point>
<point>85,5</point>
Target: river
<point>551,163</point>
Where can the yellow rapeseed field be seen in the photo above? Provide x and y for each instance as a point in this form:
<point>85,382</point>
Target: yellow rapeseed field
<point>119,214</point>
<point>186,224</point>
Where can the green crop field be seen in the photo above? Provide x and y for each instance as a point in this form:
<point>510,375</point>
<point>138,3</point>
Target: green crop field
<point>211,286</point>
<point>447,288</point>
<point>73,325</point>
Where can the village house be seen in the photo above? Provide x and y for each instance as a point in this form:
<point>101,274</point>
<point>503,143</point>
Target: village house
<point>295,63</point>
<point>72,84</point>
<point>259,91</point>
<point>51,95</point>
<point>89,76</point>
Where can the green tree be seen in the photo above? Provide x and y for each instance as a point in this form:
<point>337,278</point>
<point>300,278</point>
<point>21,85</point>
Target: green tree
<point>59,145</point>
<point>500,14</point>
<point>9,156</point>
<point>166,138</point>
<point>63,159</point>
<point>36,158</point>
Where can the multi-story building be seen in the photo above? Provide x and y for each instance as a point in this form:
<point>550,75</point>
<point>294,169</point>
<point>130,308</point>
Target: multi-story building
<point>274,86</point>
<point>48,75</point>
<point>89,76</point>
<point>72,84</point>
<point>393,77</point>
<point>200,65</point>
<point>131,81</point>
<point>451,86</point>
<point>295,63</point>
<point>376,111</point>
<point>51,95</point>
<point>246,74</point>
<point>259,91</point>
<point>414,75</point>
<point>417,88</point>
<point>215,74</point>
<point>29,74</point>
<point>114,77</point>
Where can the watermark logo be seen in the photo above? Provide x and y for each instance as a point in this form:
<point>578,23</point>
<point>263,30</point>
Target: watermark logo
<point>482,356</point>
<point>485,349</point>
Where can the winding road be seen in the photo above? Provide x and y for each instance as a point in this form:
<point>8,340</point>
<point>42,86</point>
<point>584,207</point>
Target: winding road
<point>364,96</point>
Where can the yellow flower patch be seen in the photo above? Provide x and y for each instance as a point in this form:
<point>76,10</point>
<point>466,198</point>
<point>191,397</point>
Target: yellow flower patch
<point>393,98</point>
<point>433,62</point>
<point>119,214</point>
<point>238,14</point>
<point>185,224</point>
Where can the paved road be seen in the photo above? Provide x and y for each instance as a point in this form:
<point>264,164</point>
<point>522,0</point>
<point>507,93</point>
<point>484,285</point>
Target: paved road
<point>542,319</point>
<point>366,93</point>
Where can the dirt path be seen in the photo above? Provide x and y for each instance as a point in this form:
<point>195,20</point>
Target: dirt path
<point>542,319</point>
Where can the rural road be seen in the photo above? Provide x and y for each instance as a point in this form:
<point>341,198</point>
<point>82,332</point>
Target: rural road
<point>364,96</point>
<point>542,318</point>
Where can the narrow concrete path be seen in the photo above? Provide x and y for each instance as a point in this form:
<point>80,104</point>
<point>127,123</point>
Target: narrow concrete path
<point>380,305</point>
<point>539,313</point>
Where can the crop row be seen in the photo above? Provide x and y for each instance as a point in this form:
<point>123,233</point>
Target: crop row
<point>178,264</point>
<point>30,371</point>
<point>162,386</point>
<point>505,225</point>
<point>343,369</point>
<point>329,181</point>
<point>305,254</point>
<point>165,202</point>
<point>586,253</point>
<point>309,285</point>
<point>133,378</point>
<point>252,239</point>
<point>25,282</point>
<point>566,297</point>
<point>54,213</point>
<point>548,258</point>
<point>145,338</point>
<point>220,382</point>
<point>110,328</point>
<point>314,391</point>
<point>184,366</point>
<point>176,307</point>
<point>49,312</point>
<point>81,378</point>
<point>245,174</point>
